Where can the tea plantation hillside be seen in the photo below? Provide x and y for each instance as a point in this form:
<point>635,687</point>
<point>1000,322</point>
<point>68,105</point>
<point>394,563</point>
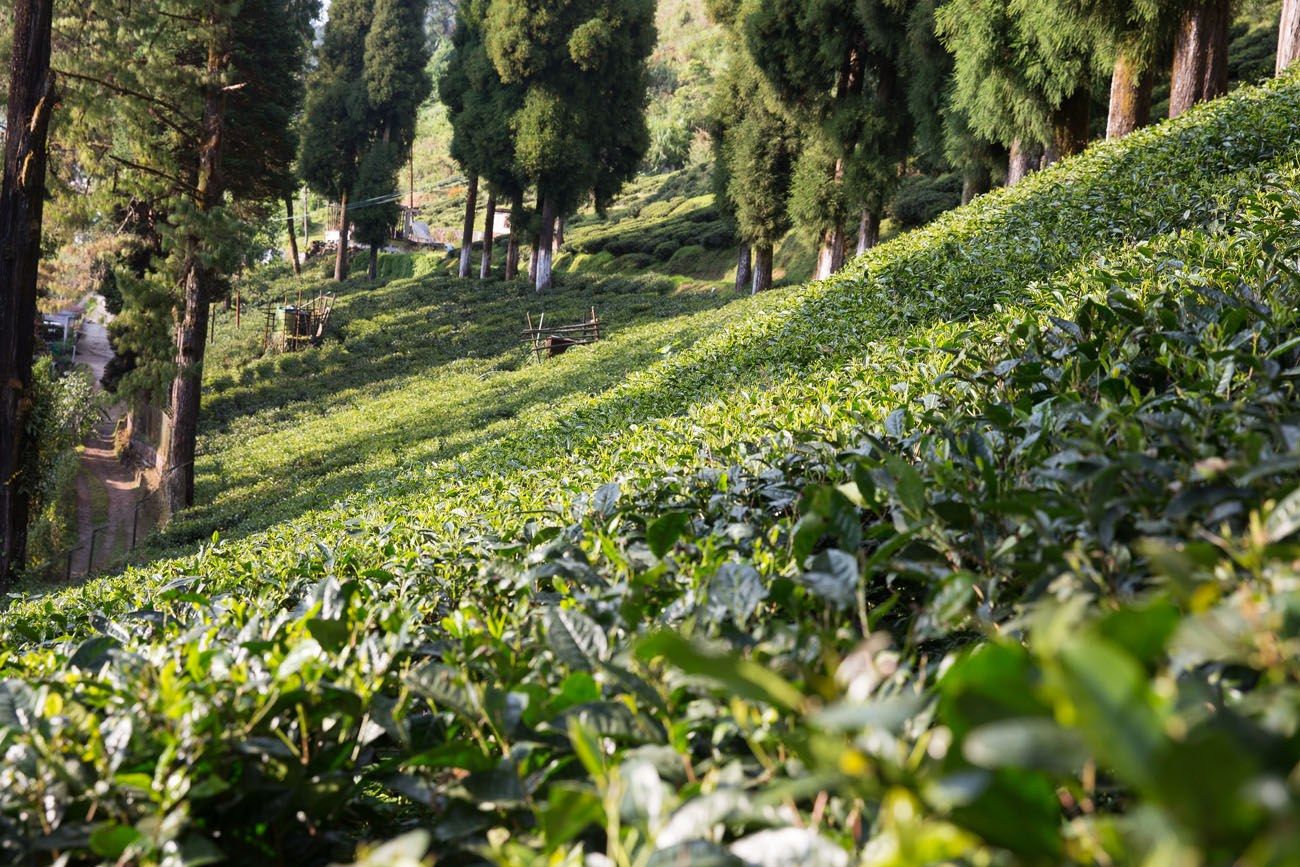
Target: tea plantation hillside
<point>419,369</point>
<point>980,553</point>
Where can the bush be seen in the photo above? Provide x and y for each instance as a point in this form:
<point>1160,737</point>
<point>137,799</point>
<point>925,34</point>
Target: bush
<point>921,198</point>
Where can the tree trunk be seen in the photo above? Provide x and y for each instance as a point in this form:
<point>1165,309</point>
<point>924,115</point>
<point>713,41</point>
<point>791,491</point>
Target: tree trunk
<point>196,285</point>
<point>341,255</point>
<point>830,258</point>
<point>544,282</point>
<point>1024,160</point>
<point>293,237</point>
<point>1071,125</point>
<point>1200,70</point>
<point>1288,40</point>
<point>868,231</point>
<point>744,269</point>
<point>762,268</point>
<point>512,255</point>
<point>489,231</point>
<point>1130,96</point>
<point>22,198</point>
<point>372,272</point>
<point>536,241</point>
<point>467,234</point>
<point>558,240</point>
<point>975,182</point>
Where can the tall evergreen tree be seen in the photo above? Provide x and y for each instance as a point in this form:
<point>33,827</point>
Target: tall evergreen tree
<point>1129,35</point>
<point>29,104</point>
<point>1021,76</point>
<point>577,63</point>
<point>757,145</point>
<point>1288,41</point>
<point>156,89</point>
<point>378,208</point>
<point>336,119</point>
<point>480,107</point>
<point>835,65</point>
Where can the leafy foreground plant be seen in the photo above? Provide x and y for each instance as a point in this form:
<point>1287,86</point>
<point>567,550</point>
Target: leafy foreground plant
<point>1009,588</point>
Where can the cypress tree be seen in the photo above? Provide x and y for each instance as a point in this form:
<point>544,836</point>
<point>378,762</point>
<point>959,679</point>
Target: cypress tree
<point>756,146</point>
<point>377,203</point>
<point>156,98</point>
<point>1022,77</point>
<point>1200,70</point>
<point>480,107</point>
<point>368,86</point>
<point>336,128</point>
<point>1288,42</point>
<point>835,65</point>
<point>577,64</point>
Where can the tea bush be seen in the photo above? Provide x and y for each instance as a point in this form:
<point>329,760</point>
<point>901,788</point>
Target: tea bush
<point>982,553</point>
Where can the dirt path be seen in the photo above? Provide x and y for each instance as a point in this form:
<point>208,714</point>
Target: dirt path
<point>107,490</point>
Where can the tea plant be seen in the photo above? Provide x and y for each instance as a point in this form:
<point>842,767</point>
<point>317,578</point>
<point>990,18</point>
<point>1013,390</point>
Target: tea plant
<point>984,553</point>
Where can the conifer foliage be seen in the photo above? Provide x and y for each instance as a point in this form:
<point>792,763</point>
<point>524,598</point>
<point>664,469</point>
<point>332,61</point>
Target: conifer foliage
<point>359,121</point>
<point>568,80</point>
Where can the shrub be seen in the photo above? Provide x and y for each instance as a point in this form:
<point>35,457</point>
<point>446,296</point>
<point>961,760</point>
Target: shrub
<point>980,553</point>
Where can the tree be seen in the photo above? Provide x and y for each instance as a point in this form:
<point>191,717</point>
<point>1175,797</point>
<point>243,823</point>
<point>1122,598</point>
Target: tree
<point>577,64</point>
<point>1129,36</point>
<point>835,65</point>
<point>1200,70</point>
<point>157,88</point>
<point>378,208</point>
<point>368,86</point>
<point>1288,44</point>
<point>336,128</point>
<point>1022,76</point>
<point>480,107</point>
<point>756,146</point>
<point>30,102</point>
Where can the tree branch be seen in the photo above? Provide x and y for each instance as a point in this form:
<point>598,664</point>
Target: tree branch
<point>135,94</point>
<point>190,188</point>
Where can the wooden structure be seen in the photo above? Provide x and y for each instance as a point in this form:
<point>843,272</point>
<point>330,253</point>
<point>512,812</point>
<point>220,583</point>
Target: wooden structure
<point>557,340</point>
<point>290,327</point>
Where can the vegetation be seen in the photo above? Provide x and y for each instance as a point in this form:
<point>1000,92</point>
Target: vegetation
<point>976,553</point>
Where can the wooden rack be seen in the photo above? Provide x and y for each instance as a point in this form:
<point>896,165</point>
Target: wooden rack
<point>559,339</point>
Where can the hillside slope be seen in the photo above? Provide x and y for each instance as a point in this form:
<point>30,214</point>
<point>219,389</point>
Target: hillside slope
<point>978,552</point>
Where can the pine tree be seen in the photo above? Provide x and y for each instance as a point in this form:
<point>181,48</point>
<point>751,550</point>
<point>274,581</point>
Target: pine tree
<point>30,103</point>
<point>577,64</point>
